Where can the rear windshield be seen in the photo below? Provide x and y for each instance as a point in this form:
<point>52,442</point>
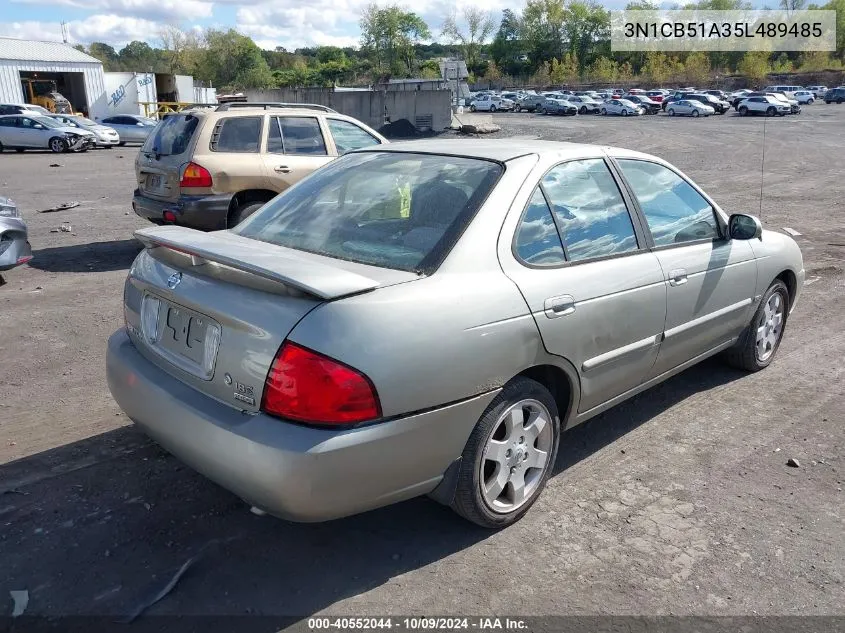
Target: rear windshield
<point>172,136</point>
<point>395,210</point>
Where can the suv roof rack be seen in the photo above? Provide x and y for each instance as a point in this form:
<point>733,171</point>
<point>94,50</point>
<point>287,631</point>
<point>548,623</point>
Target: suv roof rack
<point>223,107</point>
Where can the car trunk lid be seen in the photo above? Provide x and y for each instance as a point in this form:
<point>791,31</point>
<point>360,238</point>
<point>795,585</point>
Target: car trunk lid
<point>220,305</point>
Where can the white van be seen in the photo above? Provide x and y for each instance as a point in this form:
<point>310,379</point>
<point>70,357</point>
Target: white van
<point>789,91</point>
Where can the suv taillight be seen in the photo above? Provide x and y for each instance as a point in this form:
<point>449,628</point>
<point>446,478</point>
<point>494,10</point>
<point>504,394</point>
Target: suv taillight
<point>195,176</point>
<point>308,387</point>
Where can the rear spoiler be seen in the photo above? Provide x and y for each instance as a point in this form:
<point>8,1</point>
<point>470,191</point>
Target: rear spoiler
<point>304,271</point>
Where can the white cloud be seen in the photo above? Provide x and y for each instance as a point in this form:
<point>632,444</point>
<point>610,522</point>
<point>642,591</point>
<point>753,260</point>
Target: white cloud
<point>111,29</point>
<point>159,10</point>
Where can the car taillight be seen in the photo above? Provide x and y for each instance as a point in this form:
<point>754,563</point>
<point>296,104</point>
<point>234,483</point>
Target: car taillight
<point>195,176</point>
<point>308,387</point>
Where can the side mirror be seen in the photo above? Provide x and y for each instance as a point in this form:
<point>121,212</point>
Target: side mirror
<point>38,126</point>
<point>139,124</point>
<point>744,227</point>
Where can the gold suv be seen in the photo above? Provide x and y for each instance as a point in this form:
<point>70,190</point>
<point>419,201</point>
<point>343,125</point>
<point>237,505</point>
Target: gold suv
<point>211,168</point>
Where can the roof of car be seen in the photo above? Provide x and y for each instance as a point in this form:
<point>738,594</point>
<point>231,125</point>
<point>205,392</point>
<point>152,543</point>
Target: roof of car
<point>496,149</point>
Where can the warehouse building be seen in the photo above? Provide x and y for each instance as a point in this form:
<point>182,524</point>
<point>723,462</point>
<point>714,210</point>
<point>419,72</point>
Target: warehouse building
<point>29,67</point>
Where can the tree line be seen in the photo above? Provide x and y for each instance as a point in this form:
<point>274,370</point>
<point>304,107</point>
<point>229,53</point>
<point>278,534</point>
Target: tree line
<point>549,42</point>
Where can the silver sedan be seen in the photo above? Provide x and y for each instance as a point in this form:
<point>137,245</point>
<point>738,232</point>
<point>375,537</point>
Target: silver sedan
<point>688,107</point>
<point>132,128</point>
<point>622,107</point>
<point>428,317</point>
<point>14,243</point>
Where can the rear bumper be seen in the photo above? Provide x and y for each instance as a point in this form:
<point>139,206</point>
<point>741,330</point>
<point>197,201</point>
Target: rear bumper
<point>17,250</point>
<point>207,213</point>
<point>291,471</point>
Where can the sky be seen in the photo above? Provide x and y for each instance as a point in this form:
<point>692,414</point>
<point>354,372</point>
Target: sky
<point>288,23</point>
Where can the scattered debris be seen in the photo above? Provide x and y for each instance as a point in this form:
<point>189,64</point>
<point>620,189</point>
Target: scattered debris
<point>65,228</point>
<point>175,579</point>
<point>166,589</point>
<point>39,287</point>
<point>777,450</point>
<point>258,511</point>
<point>793,463</point>
<point>55,165</point>
<point>14,491</point>
<point>61,207</point>
<point>481,128</point>
<point>21,600</point>
<point>792,232</point>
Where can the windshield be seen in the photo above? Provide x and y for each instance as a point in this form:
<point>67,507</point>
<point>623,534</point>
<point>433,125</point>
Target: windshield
<point>173,135</point>
<point>83,121</point>
<point>390,209</point>
<point>47,122</point>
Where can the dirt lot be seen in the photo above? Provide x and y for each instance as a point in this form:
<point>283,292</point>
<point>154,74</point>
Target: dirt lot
<point>678,502</point>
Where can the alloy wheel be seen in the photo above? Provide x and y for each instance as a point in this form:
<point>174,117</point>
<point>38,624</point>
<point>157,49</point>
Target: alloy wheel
<point>770,327</point>
<point>516,456</point>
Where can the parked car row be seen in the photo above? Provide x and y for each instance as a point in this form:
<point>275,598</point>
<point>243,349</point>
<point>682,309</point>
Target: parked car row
<point>26,126</point>
<point>689,101</point>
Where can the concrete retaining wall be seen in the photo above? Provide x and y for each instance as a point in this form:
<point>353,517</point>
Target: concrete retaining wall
<point>422,108</point>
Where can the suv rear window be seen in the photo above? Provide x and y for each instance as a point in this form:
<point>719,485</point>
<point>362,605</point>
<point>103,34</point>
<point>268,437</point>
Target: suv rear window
<point>397,210</point>
<point>172,136</point>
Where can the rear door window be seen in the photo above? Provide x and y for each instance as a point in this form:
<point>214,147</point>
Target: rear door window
<point>589,210</point>
<point>348,136</point>
<point>296,136</point>
<point>237,135</point>
<point>173,136</point>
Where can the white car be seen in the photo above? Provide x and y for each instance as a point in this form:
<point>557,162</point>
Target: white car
<point>105,136</point>
<point>585,104</point>
<point>621,106</point>
<point>818,91</point>
<point>33,131</point>
<point>767,105</point>
<point>490,103</point>
<point>688,107</point>
<point>805,96</point>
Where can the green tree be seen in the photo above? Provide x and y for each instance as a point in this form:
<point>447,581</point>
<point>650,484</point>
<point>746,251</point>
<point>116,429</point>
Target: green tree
<point>389,36</point>
<point>604,70</point>
<point>233,61</point>
<point>754,65</point>
<point>839,7</point>
<point>697,68</point>
<point>139,56</point>
<point>477,26</point>
<point>105,53</point>
<point>543,23</point>
<point>507,48</point>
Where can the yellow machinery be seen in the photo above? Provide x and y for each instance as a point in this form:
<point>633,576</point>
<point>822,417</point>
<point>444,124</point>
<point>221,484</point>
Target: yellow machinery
<point>43,92</point>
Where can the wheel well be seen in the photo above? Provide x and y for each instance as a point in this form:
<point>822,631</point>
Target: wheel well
<point>788,277</point>
<point>557,382</point>
<point>248,196</point>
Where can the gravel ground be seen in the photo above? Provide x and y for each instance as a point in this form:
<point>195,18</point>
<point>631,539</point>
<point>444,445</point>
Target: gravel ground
<point>676,502</point>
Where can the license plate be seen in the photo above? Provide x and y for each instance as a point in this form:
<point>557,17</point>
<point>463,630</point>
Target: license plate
<point>154,181</point>
<point>188,339</point>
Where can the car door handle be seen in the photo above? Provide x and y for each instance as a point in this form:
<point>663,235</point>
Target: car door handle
<point>677,277</point>
<point>282,169</point>
<point>555,307</point>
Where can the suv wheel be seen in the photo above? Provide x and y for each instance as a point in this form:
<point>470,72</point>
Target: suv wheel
<point>58,145</point>
<point>509,455</point>
<point>743,110</point>
<point>241,213</point>
<point>771,111</point>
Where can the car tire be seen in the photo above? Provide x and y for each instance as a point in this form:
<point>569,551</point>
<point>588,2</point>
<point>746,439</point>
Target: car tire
<point>839,100</point>
<point>242,212</point>
<point>671,111</point>
<point>1,148</point>
<point>492,108</point>
<point>771,111</point>
<point>624,112</point>
<point>121,143</point>
<point>811,101</point>
<point>582,110</point>
<point>57,145</point>
<point>499,428</point>
<point>604,111</point>
<point>750,353</point>
<point>743,111</point>
<point>19,150</point>
<point>696,113</point>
